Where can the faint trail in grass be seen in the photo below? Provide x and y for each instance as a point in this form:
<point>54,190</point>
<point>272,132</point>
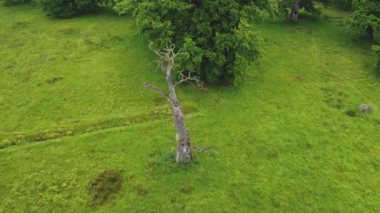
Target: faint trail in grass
<point>14,139</point>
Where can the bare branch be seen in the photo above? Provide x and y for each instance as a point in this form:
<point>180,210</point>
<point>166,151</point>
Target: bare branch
<point>159,91</point>
<point>167,57</point>
<point>167,63</point>
<point>188,78</point>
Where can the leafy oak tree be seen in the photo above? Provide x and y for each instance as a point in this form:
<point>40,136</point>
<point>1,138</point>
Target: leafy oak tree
<point>291,8</point>
<point>365,19</point>
<point>216,35</point>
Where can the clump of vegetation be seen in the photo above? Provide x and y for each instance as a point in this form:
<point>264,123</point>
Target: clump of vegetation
<point>70,8</point>
<point>104,185</point>
<point>351,113</point>
<point>215,35</point>
<point>365,19</point>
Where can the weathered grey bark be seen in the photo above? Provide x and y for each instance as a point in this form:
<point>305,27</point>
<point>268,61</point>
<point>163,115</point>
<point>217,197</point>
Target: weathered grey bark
<point>167,61</point>
<point>295,11</point>
<point>183,142</point>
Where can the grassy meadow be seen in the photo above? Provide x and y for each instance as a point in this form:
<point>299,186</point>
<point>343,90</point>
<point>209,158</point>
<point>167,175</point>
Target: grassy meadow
<point>72,104</point>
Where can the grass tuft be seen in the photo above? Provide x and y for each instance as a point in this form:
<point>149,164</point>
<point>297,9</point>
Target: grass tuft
<point>351,113</point>
<point>141,190</point>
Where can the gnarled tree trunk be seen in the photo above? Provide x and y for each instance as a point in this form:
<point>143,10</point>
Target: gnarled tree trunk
<point>167,62</point>
<point>295,11</point>
<point>183,142</point>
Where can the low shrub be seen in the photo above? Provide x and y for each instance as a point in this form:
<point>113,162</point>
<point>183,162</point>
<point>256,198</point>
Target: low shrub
<point>70,8</point>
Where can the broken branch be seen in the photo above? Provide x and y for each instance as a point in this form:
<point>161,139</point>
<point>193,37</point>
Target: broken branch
<point>159,91</point>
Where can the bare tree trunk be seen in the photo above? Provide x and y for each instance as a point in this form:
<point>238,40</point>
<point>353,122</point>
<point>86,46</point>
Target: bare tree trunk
<point>183,142</point>
<point>295,11</point>
<point>167,62</point>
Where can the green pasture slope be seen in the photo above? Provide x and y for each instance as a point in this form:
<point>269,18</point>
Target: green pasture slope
<point>72,104</point>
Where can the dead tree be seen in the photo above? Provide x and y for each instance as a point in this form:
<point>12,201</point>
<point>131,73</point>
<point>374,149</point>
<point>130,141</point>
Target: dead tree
<point>167,64</point>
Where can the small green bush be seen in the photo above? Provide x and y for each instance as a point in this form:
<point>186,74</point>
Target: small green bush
<point>70,8</point>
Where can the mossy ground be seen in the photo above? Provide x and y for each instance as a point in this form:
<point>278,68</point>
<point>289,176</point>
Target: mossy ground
<point>281,141</point>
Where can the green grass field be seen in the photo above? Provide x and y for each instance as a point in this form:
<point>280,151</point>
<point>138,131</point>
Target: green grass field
<point>72,104</point>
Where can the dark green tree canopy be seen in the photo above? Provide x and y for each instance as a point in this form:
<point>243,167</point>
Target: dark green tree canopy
<point>365,19</point>
<point>214,34</point>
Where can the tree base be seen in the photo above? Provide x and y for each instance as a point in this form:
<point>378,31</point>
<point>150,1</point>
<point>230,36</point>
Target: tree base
<point>294,16</point>
<point>184,154</point>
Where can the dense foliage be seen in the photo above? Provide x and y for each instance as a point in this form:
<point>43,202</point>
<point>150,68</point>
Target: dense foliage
<point>214,34</point>
<point>125,7</point>
<point>341,4</point>
<point>365,19</point>
<point>69,8</point>
<point>286,6</point>
<point>15,2</point>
